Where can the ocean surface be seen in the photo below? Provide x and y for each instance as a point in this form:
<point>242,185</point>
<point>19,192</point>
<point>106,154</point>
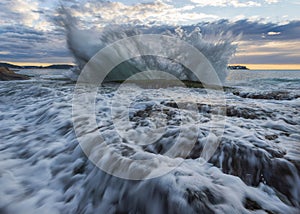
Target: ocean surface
<point>253,165</point>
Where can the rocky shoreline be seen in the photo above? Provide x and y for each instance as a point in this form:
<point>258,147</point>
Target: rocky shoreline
<point>6,74</point>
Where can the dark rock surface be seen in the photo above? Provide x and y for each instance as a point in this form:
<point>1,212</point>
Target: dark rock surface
<point>6,74</point>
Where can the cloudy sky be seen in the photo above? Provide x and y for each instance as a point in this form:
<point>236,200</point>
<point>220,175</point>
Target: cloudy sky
<point>270,28</point>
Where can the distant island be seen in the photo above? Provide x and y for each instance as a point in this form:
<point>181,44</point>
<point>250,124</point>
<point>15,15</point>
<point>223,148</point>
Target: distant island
<point>237,67</point>
<point>54,66</point>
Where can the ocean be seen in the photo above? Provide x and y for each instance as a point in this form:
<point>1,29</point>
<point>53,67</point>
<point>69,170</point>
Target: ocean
<point>240,156</point>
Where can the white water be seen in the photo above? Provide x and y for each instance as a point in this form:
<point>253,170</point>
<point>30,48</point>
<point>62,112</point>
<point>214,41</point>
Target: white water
<point>84,44</point>
<point>43,169</point>
<point>255,168</point>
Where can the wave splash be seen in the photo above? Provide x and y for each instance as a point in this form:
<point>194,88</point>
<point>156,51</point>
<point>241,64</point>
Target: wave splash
<point>84,44</point>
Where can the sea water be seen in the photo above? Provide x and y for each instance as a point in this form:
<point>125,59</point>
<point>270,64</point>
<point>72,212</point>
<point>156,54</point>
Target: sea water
<point>255,168</point>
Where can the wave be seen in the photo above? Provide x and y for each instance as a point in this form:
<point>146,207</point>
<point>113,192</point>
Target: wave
<point>44,169</point>
<point>84,44</point>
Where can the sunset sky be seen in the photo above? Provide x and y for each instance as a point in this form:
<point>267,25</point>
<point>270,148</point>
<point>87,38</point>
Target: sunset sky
<point>270,29</point>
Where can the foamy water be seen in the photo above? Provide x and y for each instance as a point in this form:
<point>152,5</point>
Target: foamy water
<point>254,169</point>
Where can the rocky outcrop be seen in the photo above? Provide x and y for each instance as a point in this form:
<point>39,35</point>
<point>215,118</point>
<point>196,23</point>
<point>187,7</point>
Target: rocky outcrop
<point>237,67</point>
<point>6,74</point>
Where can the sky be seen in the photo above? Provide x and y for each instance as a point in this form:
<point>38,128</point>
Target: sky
<point>269,29</point>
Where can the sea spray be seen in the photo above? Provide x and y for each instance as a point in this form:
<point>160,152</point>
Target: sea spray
<point>85,43</point>
<point>43,168</point>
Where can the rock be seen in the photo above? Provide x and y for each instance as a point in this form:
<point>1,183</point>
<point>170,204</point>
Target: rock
<point>6,74</point>
<point>237,67</point>
<point>271,137</point>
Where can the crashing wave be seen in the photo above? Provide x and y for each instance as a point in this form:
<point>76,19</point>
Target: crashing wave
<point>84,44</point>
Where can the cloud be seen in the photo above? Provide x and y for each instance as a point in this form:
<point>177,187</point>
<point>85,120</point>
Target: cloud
<point>272,33</point>
<point>160,12</point>
<point>271,1</point>
<point>4,52</point>
<point>20,11</point>
<point>261,42</point>
<point>226,3</point>
<point>267,43</point>
<point>27,34</point>
<point>232,3</point>
<point>22,43</point>
<point>255,30</point>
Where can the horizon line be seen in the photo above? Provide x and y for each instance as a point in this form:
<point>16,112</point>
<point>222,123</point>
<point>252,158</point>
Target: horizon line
<point>37,63</point>
<point>269,66</point>
<point>252,66</point>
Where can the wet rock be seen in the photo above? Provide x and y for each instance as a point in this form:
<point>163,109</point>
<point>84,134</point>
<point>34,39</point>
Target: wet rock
<point>255,165</point>
<point>228,110</point>
<point>272,95</point>
<point>271,137</point>
<point>251,205</point>
<point>6,74</point>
